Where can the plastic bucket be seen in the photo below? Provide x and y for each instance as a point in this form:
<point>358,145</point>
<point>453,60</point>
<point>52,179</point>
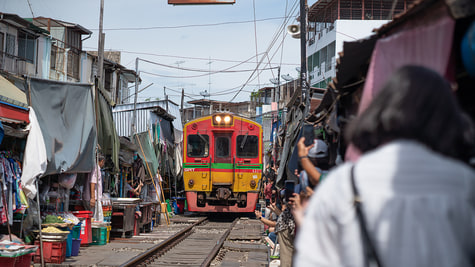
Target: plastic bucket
<point>76,244</point>
<point>77,231</point>
<point>86,230</point>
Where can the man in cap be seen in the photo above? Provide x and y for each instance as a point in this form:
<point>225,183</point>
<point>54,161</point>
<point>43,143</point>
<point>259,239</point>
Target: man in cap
<point>314,161</point>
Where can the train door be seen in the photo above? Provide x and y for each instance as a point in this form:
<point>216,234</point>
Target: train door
<point>222,171</point>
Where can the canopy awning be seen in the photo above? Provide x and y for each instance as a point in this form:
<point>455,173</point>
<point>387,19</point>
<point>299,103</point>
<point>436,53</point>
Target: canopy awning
<point>13,103</point>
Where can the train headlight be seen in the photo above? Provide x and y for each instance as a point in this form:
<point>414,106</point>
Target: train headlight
<point>253,183</point>
<point>223,120</point>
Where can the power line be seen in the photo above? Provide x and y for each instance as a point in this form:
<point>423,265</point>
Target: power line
<point>186,26</point>
<point>282,27</point>
<point>182,57</point>
<point>31,10</point>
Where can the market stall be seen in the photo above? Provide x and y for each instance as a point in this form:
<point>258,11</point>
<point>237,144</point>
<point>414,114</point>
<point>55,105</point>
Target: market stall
<point>123,215</point>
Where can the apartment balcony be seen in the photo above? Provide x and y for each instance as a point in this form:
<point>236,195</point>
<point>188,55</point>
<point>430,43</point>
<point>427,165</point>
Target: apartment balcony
<point>16,65</point>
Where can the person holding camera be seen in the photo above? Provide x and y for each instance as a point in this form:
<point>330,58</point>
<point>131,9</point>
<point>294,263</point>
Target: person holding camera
<point>408,200</point>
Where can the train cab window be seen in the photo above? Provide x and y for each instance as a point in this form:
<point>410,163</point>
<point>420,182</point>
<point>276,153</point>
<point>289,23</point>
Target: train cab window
<point>222,147</point>
<point>247,146</point>
<point>198,145</point>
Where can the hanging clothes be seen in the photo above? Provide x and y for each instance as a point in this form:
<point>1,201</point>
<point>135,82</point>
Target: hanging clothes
<point>10,174</point>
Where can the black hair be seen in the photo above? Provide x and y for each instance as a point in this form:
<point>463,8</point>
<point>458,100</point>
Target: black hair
<point>322,163</point>
<point>416,103</point>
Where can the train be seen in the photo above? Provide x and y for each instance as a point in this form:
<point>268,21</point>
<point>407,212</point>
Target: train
<point>222,163</point>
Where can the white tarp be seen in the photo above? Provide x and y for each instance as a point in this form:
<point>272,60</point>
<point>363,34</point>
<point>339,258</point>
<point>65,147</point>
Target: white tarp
<point>34,159</point>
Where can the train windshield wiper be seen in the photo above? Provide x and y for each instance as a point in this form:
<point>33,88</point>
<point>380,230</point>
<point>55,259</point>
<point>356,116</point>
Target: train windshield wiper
<point>202,137</point>
<point>244,141</point>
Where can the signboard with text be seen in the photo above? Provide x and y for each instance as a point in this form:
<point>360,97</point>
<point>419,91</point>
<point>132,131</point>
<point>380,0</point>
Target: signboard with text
<point>199,2</point>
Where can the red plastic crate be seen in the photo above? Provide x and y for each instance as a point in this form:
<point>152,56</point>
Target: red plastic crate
<point>19,261</point>
<point>54,252</point>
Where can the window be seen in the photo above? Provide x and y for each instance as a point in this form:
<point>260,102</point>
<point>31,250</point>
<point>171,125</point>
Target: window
<point>222,147</point>
<point>247,146</point>
<point>330,55</point>
<point>26,47</point>
<point>198,145</point>
<point>10,45</point>
<point>1,41</point>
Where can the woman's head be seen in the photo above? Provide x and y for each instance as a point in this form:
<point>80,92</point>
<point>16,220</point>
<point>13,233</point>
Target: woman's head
<point>416,103</point>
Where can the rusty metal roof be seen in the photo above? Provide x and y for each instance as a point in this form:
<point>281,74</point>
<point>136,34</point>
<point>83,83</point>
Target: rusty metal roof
<point>49,22</point>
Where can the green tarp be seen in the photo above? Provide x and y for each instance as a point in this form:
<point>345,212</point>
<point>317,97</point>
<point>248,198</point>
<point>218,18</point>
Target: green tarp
<point>146,152</point>
<point>106,133</point>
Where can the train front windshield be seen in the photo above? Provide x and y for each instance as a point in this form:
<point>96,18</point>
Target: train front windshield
<point>247,146</point>
<point>198,145</point>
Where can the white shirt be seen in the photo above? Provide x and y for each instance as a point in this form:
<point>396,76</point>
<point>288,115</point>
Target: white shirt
<point>94,177</point>
<point>419,207</point>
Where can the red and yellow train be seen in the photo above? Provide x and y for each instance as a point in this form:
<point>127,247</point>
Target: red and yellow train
<point>222,165</point>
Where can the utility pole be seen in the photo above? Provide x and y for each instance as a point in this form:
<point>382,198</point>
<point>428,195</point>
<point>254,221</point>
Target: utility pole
<point>303,56</point>
<point>182,111</point>
<point>277,92</point>
<point>100,52</point>
<point>134,116</point>
<point>278,88</point>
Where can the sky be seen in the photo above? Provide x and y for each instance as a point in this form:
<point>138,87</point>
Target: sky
<point>205,49</point>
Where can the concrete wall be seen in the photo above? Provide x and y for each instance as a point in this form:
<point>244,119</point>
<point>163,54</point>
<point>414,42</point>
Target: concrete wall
<point>344,31</point>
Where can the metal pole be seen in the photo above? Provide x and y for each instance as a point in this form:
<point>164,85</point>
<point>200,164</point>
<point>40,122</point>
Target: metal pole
<point>134,116</point>
<point>303,55</point>
<point>100,52</point>
<point>182,111</point>
<point>276,142</point>
<point>39,221</point>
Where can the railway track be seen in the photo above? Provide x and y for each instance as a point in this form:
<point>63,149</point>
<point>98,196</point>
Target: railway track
<point>208,243</point>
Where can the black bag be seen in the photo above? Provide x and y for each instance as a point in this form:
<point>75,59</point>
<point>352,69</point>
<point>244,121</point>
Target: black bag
<point>370,253</point>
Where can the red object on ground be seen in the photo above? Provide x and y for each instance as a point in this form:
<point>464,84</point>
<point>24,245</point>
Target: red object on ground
<point>86,230</point>
<point>19,261</point>
<point>53,252</point>
<point>136,224</point>
<point>181,205</point>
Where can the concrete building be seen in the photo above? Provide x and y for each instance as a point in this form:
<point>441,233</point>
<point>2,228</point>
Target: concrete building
<point>23,47</point>
<point>332,22</point>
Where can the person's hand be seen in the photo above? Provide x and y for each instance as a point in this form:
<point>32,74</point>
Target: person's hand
<point>295,201</point>
<point>92,202</point>
<point>258,214</point>
<point>308,191</point>
<point>302,149</point>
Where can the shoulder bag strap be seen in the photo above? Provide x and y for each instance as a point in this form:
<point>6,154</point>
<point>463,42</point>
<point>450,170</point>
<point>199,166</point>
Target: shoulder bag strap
<point>371,256</point>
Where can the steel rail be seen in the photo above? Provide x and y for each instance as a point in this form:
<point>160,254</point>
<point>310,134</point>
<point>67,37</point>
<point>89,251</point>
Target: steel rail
<point>218,246</point>
<point>135,261</point>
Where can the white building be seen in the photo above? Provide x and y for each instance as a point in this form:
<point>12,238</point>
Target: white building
<point>332,22</point>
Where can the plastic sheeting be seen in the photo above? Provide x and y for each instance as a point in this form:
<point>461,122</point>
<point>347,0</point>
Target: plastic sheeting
<point>146,152</point>
<point>65,113</point>
<point>34,159</point>
<point>106,133</point>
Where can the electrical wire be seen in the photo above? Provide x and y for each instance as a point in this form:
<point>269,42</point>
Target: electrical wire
<point>255,37</point>
<point>269,48</point>
<point>187,26</point>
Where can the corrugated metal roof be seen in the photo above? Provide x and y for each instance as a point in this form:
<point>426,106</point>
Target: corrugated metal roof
<point>145,116</point>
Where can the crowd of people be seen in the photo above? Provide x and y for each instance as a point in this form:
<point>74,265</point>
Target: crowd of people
<point>407,199</point>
